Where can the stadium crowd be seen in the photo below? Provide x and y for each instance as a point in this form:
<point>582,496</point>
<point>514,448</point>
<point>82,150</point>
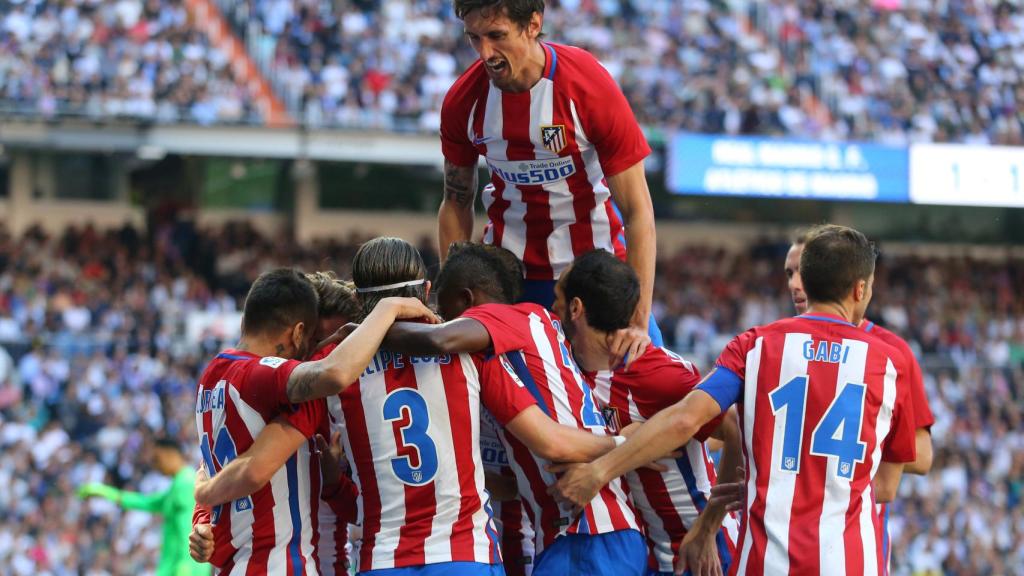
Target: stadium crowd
<point>94,362</point>
<point>888,70</point>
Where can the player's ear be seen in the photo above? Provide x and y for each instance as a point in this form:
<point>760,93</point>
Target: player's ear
<point>426,290</point>
<point>298,335</point>
<point>575,308</point>
<point>536,25</point>
<point>860,290</point>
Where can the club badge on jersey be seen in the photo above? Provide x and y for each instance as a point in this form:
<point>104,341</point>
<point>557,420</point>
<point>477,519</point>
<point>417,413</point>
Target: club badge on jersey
<point>553,137</point>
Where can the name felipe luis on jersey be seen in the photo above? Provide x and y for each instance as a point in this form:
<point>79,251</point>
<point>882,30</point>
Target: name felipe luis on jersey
<point>385,359</point>
<point>536,172</point>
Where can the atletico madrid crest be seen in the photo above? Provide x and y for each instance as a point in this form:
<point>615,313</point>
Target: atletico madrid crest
<point>553,137</point>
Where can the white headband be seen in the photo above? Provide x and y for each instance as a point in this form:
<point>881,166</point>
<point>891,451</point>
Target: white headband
<point>390,286</point>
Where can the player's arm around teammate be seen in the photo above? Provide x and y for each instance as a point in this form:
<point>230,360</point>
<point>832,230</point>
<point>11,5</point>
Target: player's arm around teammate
<point>308,381</point>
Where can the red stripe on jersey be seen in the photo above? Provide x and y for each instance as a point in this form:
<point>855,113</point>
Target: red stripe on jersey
<point>812,472</point>
<point>538,212</point>
<point>359,439</point>
<point>420,502</point>
<point>763,428</point>
<point>457,395</point>
<point>581,232</point>
<point>547,526</point>
<point>512,537</point>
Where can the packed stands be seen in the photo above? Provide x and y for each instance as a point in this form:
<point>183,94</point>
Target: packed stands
<point>894,71</point>
<point>123,59</point>
<point>94,359</point>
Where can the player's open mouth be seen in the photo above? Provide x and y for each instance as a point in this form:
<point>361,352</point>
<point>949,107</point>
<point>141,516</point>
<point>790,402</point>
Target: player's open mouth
<point>496,68</point>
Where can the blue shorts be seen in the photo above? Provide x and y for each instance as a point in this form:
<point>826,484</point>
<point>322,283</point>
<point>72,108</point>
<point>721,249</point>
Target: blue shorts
<point>543,292</point>
<point>622,553</point>
<point>441,569</point>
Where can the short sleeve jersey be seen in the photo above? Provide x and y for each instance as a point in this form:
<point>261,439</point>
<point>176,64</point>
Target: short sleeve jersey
<point>411,428</point>
<point>550,151</point>
<point>272,530</point>
<point>531,349</point>
<point>821,404</point>
<point>669,501</point>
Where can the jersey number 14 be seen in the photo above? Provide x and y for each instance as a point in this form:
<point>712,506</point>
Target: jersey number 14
<point>837,434</point>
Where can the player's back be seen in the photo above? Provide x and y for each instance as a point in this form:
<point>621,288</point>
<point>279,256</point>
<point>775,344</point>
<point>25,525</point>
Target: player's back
<point>271,530</point>
<point>411,428</point>
<point>530,344</point>
<point>669,501</point>
<point>820,409</point>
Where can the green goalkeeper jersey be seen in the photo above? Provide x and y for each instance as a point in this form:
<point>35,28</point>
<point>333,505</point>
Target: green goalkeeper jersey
<point>175,505</point>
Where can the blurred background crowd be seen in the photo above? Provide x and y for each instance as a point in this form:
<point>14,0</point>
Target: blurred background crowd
<point>98,354</point>
<point>895,71</point>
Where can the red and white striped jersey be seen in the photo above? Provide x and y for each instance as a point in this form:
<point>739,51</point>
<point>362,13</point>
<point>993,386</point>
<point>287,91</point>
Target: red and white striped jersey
<point>549,151</point>
<point>273,530</point>
<point>411,428</point>
<point>670,501</point>
<point>528,342</point>
<point>923,417</point>
<point>515,534</point>
<point>822,403</point>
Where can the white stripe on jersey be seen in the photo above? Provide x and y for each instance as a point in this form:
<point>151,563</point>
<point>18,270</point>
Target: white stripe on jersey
<point>241,521</point>
<point>552,371</point>
<point>482,521</point>
<point>437,545</point>
<point>883,424</point>
<point>832,522</point>
<point>782,483</point>
<point>753,365</point>
<point>560,198</point>
<point>373,392</point>
<point>601,227</point>
<point>329,531</point>
<point>497,149</point>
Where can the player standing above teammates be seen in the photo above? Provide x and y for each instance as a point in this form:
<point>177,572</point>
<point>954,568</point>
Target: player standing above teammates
<point>565,155</point>
<point>174,504</point>
<point>479,282</point>
<point>594,298</point>
<point>267,525</point>
<point>826,425</point>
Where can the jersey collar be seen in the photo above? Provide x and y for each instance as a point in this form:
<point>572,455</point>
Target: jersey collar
<point>824,317</point>
<point>550,61</point>
<point>232,354</point>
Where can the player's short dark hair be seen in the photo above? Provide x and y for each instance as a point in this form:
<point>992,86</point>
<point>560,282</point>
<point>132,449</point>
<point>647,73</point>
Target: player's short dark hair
<point>518,11</point>
<point>490,269</point>
<point>168,443</point>
<point>834,259</point>
<point>278,299</point>
<point>607,286</point>
<point>388,260</point>
<point>337,297</point>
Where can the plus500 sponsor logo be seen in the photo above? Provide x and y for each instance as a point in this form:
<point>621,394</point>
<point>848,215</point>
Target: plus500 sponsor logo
<point>534,171</point>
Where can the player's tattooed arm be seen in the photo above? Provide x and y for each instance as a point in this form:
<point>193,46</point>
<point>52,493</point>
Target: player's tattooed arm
<point>455,217</point>
<point>342,367</point>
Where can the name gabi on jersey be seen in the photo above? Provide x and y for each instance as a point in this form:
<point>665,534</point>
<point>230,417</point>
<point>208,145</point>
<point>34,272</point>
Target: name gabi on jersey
<point>533,171</point>
<point>212,399</point>
<point>385,359</point>
<point>825,351</point>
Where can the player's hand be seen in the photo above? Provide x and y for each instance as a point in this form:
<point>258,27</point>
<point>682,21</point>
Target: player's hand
<point>97,489</point>
<point>699,554</point>
<point>200,543</point>
<point>339,335</point>
<point>628,343</point>
<point>732,495</point>
<point>332,458</point>
<point>410,309</point>
<point>578,485</point>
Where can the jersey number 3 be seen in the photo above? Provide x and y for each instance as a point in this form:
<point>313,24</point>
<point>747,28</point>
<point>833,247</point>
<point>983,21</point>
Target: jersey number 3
<point>837,435</point>
<point>416,463</point>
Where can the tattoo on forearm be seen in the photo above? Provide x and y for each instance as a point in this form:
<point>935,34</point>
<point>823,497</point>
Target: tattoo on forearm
<point>301,385</point>
<point>458,187</point>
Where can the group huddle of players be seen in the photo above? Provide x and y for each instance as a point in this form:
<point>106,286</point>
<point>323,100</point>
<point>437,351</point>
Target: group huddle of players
<point>824,400</point>
<point>541,428</point>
